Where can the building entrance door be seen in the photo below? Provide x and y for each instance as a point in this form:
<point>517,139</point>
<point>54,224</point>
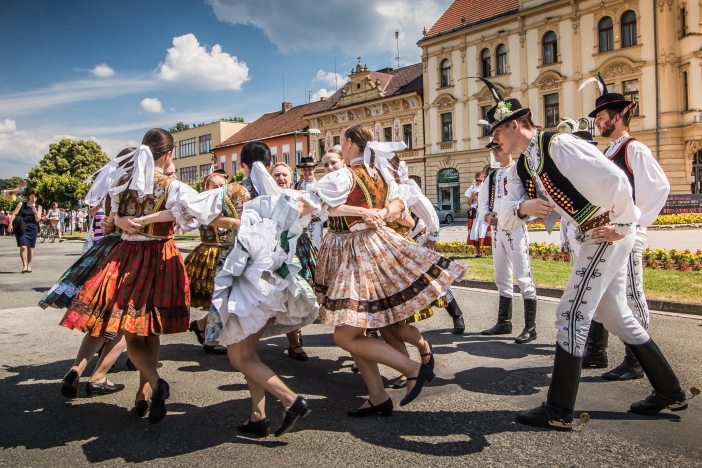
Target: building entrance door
<point>448,189</point>
<point>446,198</point>
<point>696,181</point>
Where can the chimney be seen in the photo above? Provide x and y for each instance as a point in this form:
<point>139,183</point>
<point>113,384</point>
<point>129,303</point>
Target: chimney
<point>323,98</point>
<point>287,106</point>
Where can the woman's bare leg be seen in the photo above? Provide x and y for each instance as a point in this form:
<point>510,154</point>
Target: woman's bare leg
<point>30,256</point>
<point>113,350</point>
<point>410,334</point>
<point>374,382</point>
<point>258,401</point>
<point>140,350</point>
<point>294,340</point>
<point>88,347</point>
<point>23,256</point>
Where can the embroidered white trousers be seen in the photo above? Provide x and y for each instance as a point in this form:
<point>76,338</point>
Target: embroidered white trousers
<point>598,282</point>
<point>510,255</point>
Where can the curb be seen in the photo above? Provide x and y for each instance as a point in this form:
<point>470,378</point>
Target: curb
<point>653,304</point>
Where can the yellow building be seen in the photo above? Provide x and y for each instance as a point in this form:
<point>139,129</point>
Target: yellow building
<point>388,101</point>
<point>192,156</point>
<point>540,51</point>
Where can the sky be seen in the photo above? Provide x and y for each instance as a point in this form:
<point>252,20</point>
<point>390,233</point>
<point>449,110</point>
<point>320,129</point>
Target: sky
<point>108,71</point>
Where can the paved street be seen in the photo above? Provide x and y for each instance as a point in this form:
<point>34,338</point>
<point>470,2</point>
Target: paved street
<point>464,418</point>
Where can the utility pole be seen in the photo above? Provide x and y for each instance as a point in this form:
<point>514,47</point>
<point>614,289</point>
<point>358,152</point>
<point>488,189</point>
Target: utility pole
<point>397,42</point>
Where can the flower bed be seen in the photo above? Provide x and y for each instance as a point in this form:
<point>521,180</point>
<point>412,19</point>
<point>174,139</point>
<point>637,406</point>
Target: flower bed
<point>661,220</point>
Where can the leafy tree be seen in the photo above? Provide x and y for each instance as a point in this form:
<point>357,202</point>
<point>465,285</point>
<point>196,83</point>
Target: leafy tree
<point>179,127</point>
<point>237,177</point>
<point>199,125</point>
<point>62,189</point>
<point>197,185</point>
<point>7,204</point>
<point>233,119</point>
<point>74,158</point>
<point>12,182</point>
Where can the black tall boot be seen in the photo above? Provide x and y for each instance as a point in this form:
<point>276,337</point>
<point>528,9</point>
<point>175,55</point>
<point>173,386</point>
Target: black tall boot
<point>529,332</point>
<point>596,347</point>
<point>557,411</point>
<point>666,387</point>
<point>629,369</point>
<point>457,315</point>
<point>504,318</point>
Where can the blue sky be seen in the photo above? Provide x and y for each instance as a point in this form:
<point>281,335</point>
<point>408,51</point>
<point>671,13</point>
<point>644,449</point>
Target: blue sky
<point>109,71</point>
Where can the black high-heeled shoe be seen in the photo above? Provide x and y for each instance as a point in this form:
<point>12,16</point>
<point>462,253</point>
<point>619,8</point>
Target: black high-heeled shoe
<point>297,356</point>
<point>260,428</point>
<point>425,375</point>
<point>297,410</point>
<point>158,401</point>
<point>385,408</point>
<point>93,389</point>
<point>209,349</point>
<point>141,407</point>
<point>69,387</point>
<point>429,364</point>
<point>198,333</point>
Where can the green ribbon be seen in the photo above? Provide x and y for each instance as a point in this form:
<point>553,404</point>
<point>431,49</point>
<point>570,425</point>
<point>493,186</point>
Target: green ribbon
<point>283,271</point>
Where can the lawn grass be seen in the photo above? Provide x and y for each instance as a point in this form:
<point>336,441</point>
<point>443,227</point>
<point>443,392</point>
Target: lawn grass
<point>672,285</point>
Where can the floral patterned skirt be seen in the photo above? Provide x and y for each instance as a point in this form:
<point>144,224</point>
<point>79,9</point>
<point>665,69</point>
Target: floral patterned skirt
<point>139,287</point>
<point>68,285</point>
<point>201,265</point>
<point>375,278</point>
<point>307,253</point>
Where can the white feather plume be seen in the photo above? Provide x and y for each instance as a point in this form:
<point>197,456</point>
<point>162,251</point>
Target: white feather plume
<point>567,122</point>
<point>592,80</point>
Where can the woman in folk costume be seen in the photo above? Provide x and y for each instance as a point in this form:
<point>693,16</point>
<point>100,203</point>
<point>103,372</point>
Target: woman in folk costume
<point>477,228</point>
<point>140,288</point>
<point>373,277</point>
<point>257,292</point>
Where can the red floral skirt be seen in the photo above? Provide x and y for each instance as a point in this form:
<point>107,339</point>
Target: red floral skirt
<point>139,287</point>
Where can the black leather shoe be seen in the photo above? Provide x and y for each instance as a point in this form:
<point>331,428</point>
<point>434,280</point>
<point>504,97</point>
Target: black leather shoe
<point>629,369</point>
<point>297,410</point>
<point>596,361</point>
<point>209,349</point>
<point>504,318</point>
<point>93,389</point>
<point>596,347</point>
<point>526,336</point>
<point>456,314</point>
<point>425,375</point>
<point>260,428</point>
<point>399,383</point>
<point>429,364</point>
<point>529,333</point>
<point>69,387</point>
<point>372,333</point>
<point>198,333</point>
<point>297,356</point>
<point>141,407</point>
<point>654,404</point>
<point>546,416</point>
<point>158,401</point>
<point>384,408</point>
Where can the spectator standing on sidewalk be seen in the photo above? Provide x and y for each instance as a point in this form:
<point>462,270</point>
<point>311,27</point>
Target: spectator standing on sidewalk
<point>3,219</point>
<point>80,220</point>
<point>477,227</point>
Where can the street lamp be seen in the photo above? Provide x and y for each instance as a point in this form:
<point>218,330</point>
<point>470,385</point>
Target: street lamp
<point>311,131</point>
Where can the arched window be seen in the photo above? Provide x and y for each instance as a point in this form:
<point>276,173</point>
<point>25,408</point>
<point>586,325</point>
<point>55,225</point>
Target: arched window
<point>445,73</point>
<point>501,59</point>
<point>606,29</point>
<point>550,45</point>
<point>485,67</point>
<point>629,29</point>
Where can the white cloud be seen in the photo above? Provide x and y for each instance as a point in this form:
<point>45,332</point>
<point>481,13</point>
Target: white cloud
<point>151,105</point>
<point>7,125</point>
<point>103,71</point>
<point>358,28</point>
<point>190,64</point>
<point>320,94</point>
<point>330,78</point>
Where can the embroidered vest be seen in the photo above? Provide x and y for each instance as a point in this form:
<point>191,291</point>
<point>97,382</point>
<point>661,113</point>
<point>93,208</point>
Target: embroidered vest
<point>492,182</point>
<point>559,188</point>
<point>366,192</point>
<point>130,204</point>
<point>237,194</point>
<point>619,158</point>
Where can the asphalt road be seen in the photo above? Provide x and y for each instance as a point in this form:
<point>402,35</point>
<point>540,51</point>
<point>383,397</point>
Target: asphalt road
<point>464,418</point>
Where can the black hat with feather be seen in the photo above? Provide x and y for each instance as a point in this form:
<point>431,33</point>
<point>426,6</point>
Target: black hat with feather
<point>504,110</point>
<point>613,101</point>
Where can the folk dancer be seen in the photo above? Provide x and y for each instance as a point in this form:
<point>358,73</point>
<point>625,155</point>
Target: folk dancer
<point>477,228</point>
<point>306,168</point>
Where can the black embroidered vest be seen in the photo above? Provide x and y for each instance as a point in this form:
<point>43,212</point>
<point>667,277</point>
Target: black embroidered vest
<point>619,158</point>
<point>559,188</point>
<point>491,189</point>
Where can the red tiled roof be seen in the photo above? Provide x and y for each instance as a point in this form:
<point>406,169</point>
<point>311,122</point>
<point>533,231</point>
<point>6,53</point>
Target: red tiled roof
<point>272,124</point>
<point>474,11</point>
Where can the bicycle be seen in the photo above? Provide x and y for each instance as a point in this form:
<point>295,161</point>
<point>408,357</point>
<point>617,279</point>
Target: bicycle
<point>44,233</point>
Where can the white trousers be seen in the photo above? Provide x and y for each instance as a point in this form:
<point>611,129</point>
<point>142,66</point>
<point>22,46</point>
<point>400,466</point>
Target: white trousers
<point>635,297</point>
<point>598,282</point>
<point>510,255</point>
<point>314,230</point>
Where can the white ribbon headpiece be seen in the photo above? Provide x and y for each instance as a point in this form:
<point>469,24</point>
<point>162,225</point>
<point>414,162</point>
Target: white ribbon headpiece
<point>139,164</point>
<point>105,177</point>
<point>262,181</point>
<point>383,151</point>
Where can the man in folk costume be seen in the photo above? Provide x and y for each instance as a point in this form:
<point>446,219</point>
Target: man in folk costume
<point>561,175</point>
<point>650,189</point>
<point>510,253</point>
<point>477,229</point>
<point>306,168</point>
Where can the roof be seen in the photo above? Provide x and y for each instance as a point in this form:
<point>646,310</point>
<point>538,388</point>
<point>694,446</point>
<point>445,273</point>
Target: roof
<point>465,13</point>
<point>393,82</point>
<point>272,124</point>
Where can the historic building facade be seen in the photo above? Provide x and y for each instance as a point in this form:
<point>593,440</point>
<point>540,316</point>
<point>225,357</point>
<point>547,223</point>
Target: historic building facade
<point>539,52</point>
<point>388,101</point>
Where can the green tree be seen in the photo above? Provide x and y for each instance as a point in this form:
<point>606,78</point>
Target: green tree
<point>13,182</point>
<point>197,185</point>
<point>6,204</point>
<point>233,119</point>
<point>62,189</point>
<point>179,127</point>
<point>237,177</point>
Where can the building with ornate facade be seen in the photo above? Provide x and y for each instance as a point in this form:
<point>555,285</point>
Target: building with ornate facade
<point>388,101</point>
<point>540,51</point>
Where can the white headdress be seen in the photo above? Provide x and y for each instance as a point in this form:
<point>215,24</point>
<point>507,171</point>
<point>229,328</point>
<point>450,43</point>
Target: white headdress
<point>383,152</point>
<point>139,164</point>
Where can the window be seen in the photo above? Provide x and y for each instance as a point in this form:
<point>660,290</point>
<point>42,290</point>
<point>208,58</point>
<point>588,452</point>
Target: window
<point>686,91</point>
<point>629,29</point>
<point>233,167</point>
<point>387,133</point>
<point>205,169</point>
<point>337,140</point>
<point>407,131</point>
<point>501,59</point>
<point>606,35</point>
<point>445,73</point>
<point>274,153</point>
<point>286,158</point>
<point>696,179</point>
<point>446,127</point>
<point>551,109</point>
<point>187,148</point>
<point>175,150</point>
<point>322,148</point>
<point>683,22</point>
<point>550,48</point>
<point>630,90</point>
<point>205,143</point>
<point>484,111</point>
<point>485,67</point>
<point>188,175</point>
